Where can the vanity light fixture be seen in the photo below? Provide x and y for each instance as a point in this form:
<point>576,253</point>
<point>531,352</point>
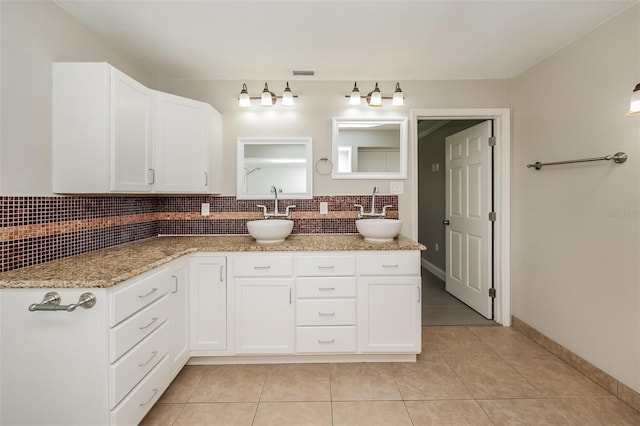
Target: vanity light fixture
<point>374,98</point>
<point>634,104</point>
<point>267,97</point>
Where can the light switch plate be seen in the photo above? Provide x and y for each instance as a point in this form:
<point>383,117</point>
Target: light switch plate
<point>204,209</point>
<point>324,207</point>
<point>396,188</point>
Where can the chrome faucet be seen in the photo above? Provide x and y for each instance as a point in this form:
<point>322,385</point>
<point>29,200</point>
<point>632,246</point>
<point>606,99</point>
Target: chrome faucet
<point>372,213</point>
<point>276,213</point>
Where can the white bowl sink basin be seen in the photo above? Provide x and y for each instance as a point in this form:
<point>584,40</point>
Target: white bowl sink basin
<point>270,231</point>
<point>378,230</point>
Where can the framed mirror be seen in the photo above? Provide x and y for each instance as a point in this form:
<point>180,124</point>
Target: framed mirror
<point>369,148</point>
<point>281,162</point>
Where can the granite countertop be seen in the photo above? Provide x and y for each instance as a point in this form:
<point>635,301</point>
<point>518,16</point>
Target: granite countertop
<point>108,267</point>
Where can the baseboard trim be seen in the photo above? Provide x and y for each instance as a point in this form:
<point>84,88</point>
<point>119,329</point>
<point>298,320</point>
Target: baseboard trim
<point>434,269</point>
<point>612,385</point>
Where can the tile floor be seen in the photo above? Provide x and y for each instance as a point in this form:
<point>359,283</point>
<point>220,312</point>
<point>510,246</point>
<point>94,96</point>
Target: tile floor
<point>465,376</point>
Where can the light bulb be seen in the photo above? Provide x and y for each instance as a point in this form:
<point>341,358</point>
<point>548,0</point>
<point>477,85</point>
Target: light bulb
<point>267,97</point>
<point>287,96</point>
<point>398,98</point>
<point>375,97</point>
<point>244,100</point>
<point>354,99</point>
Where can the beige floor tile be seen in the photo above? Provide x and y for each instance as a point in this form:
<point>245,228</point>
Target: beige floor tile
<point>162,415</point>
<point>507,342</point>
<point>184,384</point>
<point>511,412</point>
<point>447,413</point>
<point>231,383</point>
<point>431,379</point>
<point>293,414</point>
<point>555,379</point>
<point>597,411</point>
<point>363,381</point>
<point>297,382</point>
<point>490,379</point>
<point>370,413</point>
<point>455,340</point>
<point>214,414</point>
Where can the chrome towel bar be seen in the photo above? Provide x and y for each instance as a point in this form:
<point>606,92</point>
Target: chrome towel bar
<point>51,302</point>
<point>618,158</point>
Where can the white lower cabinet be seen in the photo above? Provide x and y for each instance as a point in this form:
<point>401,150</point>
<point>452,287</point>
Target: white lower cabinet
<point>389,303</point>
<point>179,327</point>
<point>208,279</point>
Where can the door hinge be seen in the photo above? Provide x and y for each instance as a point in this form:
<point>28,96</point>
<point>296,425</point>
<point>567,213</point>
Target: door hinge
<point>492,141</point>
<point>492,216</point>
<point>492,293</point>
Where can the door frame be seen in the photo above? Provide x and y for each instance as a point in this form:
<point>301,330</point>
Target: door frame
<point>502,192</point>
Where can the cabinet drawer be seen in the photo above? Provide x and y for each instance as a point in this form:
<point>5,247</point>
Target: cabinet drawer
<point>126,335</point>
<point>325,287</point>
<point>322,265</point>
<point>134,407</point>
<point>326,339</point>
<point>143,291</point>
<point>389,263</point>
<point>131,368</point>
<point>262,266</point>
<point>326,312</point>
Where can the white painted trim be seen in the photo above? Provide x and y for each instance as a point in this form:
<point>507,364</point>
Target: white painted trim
<point>502,188</point>
<point>440,273</point>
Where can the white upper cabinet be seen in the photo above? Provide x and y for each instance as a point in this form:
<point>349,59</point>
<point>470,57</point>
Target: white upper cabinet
<point>183,134</point>
<point>101,130</point>
<point>111,134</point>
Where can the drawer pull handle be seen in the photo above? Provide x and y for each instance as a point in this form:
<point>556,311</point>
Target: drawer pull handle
<point>153,355</point>
<point>153,290</point>
<point>326,314</point>
<point>175,282</point>
<point>326,342</point>
<point>325,267</point>
<point>390,266</point>
<point>326,288</point>
<point>153,320</point>
<point>155,392</point>
<point>262,267</point>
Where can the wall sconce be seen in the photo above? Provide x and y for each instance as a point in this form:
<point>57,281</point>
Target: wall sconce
<point>634,103</point>
<point>267,98</point>
<point>374,98</point>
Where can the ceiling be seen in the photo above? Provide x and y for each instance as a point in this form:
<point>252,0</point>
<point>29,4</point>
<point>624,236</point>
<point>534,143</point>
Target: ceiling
<point>341,39</point>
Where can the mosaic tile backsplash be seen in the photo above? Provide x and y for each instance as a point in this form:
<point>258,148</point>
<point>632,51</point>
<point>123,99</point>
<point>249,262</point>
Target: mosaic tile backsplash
<point>35,230</point>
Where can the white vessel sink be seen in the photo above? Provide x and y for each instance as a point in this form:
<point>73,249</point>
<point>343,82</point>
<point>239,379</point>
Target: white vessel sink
<point>378,230</point>
<point>270,231</point>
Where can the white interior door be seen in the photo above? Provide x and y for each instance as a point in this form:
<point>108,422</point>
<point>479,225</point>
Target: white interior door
<point>468,203</point>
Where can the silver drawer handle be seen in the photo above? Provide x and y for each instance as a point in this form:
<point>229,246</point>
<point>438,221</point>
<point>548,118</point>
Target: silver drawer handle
<point>390,266</point>
<point>153,355</point>
<point>262,267</point>
<point>326,314</point>
<point>326,267</point>
<point>326,342</point>
<point>326,288</point>
<point>155,392</point>
<point>153,290</point>
<point>154,319</point>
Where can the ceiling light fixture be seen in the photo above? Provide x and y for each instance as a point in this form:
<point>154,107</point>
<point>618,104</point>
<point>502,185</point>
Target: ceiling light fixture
<point>267,97</point>
<point>374,98</point>
<point>634,103</point>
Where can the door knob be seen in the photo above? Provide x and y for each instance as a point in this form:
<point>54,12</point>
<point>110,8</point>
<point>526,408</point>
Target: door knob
<point>446,221</point>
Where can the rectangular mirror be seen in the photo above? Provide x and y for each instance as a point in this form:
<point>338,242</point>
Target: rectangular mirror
<point>369,148</point>
<point>281,162</point>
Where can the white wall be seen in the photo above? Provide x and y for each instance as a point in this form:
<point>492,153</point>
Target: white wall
<point>34,34</point>
<point>576,228</point>
<point>319,101</point>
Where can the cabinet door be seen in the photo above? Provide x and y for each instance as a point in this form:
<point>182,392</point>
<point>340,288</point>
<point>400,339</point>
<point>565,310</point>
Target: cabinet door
<point>208,303</point>
<point>264,315</point>
<point>130,135</point>
<point>182,135</point>
<point>178,321</point>
<point>389,314</point>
